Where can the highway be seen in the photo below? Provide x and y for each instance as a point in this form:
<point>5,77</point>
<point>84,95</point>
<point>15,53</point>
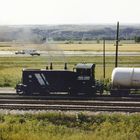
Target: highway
<point>69,53</point>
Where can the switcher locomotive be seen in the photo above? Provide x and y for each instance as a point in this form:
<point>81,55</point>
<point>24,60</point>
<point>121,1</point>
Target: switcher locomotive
<point>47,81</point>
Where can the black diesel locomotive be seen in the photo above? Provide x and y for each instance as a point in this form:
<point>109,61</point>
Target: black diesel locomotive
<point>45,82</point>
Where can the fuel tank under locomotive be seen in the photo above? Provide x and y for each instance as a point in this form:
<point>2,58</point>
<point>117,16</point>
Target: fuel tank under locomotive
<point>41,81</point>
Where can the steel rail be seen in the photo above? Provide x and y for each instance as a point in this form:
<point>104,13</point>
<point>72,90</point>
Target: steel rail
<point>67,105</point>
<point>70,107</point>
<point>66,97</point>
<point>71,102</point>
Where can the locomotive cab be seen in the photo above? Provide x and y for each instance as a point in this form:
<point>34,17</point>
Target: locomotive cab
<point>86,78</point>
<point>85,71</point>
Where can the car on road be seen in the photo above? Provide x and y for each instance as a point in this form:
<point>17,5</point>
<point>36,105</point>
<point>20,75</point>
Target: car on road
<point>30,52</point>
<point>20,52</point>
<point>35,53</point>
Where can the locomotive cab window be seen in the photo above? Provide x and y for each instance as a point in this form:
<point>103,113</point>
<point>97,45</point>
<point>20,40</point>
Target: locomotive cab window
<point>84,72</point>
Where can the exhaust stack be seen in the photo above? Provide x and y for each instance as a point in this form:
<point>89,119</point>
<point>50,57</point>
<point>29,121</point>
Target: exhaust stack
<point>65,66</point>
<point>51,66</point>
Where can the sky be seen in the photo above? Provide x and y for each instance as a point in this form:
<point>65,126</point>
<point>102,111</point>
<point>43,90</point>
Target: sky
<point>14,12</point>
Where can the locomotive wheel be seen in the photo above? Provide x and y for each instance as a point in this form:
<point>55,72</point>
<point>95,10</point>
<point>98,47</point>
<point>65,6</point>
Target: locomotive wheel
<point>27,93</point>
<point>89,94</point>
<point>21,92</point>
<point>45,93</point>
<point>73,93</point>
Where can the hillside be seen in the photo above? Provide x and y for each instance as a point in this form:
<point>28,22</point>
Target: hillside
<point>39,33</point>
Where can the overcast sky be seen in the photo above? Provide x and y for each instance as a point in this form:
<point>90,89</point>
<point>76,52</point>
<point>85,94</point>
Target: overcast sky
<point>69,11</point>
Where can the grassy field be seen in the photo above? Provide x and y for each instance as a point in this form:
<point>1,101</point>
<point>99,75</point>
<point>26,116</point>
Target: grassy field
<point>99,47</point>
<point>78,126</point>
<point>70,47</point>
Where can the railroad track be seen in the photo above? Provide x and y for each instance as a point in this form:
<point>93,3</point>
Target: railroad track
<point>75,103</point>
<point>111,106</point>
<point>69,107</point>
<point>71,102</point>
<point>135,98</point>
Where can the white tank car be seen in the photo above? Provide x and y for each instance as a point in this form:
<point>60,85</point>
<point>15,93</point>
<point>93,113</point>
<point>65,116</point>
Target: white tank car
<point>126,78</point>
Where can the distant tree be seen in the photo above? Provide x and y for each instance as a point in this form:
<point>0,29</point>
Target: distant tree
<point>137,39</point>
<point>98,41</point>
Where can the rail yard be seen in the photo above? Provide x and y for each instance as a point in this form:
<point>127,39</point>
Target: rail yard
<point>110,103</point>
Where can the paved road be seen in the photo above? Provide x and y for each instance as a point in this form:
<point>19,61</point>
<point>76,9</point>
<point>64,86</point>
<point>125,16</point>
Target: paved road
<point>7,90</point>
<point>69,53</point>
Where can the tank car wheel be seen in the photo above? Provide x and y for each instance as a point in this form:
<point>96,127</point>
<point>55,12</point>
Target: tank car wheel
<point>124,93</point>
<point>120,92</point>
<point>114,93</point>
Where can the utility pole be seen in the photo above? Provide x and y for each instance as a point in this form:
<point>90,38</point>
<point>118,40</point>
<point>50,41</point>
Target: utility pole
<point>117,43</point>
<point>104,58</point>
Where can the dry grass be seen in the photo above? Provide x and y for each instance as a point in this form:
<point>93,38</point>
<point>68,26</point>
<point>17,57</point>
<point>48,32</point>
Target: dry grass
<point>69,47</point>
<point>99,47</point>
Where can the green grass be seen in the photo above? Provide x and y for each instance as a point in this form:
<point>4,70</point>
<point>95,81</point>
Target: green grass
<point>60,126</point>
<point>5,46</point>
